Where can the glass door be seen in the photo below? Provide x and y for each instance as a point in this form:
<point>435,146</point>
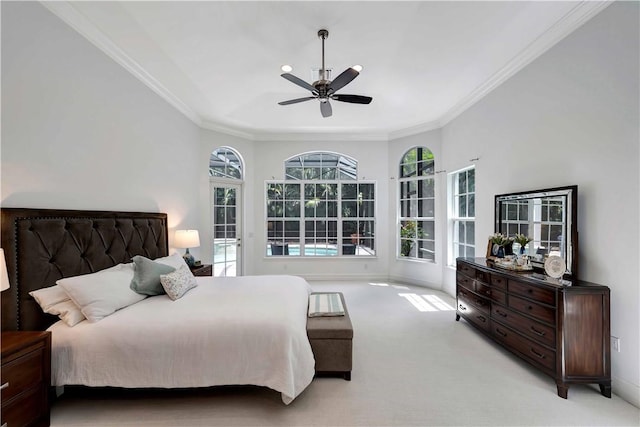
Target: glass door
<point>227,230</point>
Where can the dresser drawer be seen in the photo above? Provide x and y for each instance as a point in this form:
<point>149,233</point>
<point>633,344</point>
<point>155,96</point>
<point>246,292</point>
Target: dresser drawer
<point>464,293</point>
<point>538,311</point>
<point>466,270</point>
<point>465,282</point>
<point>473,314</point>
<point>22,373</point>
<point>491,293</point>
<point>536,330</point>
<point>543,295</point>
<point>498,282</point>
<point>530,350</point>
<point>483,277</point>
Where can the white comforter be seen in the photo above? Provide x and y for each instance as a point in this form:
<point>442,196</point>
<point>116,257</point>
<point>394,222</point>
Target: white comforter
<point>237,330</point>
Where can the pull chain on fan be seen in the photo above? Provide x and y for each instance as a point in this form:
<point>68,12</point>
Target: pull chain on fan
<point>324,89</point>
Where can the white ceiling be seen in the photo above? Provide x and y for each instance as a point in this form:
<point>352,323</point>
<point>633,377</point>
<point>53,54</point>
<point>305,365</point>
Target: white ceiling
<point>424,62</point>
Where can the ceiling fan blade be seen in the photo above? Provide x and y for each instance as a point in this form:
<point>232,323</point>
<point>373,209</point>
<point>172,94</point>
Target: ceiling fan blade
<point>325,108</point>
<point>343,79</point>
<point>295,101</point>
<point>296,80</point>
<point>354,99</point>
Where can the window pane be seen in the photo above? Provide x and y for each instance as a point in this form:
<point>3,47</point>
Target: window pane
<point>471,230</point>
<point>462,183</point>
<point>471,180</point>
<point>349,191</point>
<point>471,206</point>
<point>462,206</point>
<point>367,191</point>
<point>292,209</point>
<point>366,209</point>
<point>461,232</point>
<point>426,208</point>
<point>349,209</point>
<point>293,173</point>
<point>292,191</point>
<point>274,191</point>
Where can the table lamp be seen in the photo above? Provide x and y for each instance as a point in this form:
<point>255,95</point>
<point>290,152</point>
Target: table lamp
<point>187,239</point>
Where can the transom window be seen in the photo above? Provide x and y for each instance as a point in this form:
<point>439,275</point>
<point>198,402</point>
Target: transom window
<point>321,165</point>
<point>416,234</point>
<point>320,209</point>
<point>224,162</point>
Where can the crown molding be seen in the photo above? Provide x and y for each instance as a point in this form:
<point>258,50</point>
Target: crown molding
<point>416,129</point>
<point>321,136</point>
<point>70,15</point>
<point>573,19</point>
<point>576,17</point>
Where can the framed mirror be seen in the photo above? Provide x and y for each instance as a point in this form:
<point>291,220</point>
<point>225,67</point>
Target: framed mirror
<point>549,217</point>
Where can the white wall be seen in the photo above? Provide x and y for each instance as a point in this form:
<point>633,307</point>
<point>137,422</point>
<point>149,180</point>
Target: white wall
<point>80,132</point>
<point>571,117</point>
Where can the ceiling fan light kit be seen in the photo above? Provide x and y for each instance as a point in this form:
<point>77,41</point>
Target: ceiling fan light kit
<point>325,89</point>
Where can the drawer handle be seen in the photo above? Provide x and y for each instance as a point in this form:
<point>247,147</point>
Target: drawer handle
<point>482,319</point>
<point>530,307</point>
<point>500,313</point>
<point>535,331</point>
<point>500,332</point>
<point>461,307</point>
<point>5,385</point>
<point>541,356</point>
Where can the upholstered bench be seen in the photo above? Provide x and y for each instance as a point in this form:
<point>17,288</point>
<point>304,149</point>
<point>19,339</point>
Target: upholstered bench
<point>331,342</point>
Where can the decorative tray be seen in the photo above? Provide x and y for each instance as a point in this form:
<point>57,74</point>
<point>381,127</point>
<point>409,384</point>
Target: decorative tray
<point>513,267</point>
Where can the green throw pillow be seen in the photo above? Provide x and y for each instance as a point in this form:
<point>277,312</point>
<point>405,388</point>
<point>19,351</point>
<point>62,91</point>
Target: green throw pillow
<point>146,277</point>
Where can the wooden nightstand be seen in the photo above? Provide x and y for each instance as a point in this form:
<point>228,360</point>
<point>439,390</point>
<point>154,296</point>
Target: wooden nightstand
<point>26,378</point>
<point>202,270</point>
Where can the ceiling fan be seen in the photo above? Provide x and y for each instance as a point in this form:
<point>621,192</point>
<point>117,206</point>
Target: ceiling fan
<point>324,89</point>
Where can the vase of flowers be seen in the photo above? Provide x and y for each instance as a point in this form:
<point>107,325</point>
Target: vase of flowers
<point>500,243</point>
<point>522,240</point>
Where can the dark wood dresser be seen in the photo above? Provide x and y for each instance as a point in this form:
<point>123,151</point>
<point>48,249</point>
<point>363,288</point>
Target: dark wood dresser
<point>561,330</point>
<point>26,378</point>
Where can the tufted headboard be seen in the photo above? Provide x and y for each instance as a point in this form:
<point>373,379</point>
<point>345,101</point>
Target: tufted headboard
<point>44,245</point>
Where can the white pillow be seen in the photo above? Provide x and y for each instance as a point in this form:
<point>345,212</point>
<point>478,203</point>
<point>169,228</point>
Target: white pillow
<point>178,282</point>
<point>54,300</point>
<point>174,260</point>
<point>101,294</point>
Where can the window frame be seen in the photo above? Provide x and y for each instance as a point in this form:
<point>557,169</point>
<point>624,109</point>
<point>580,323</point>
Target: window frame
<point>323,213</point>
<point>454,219</point>
<point>416,175</point>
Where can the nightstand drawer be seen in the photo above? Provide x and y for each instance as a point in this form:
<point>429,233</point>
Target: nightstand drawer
<point>21,373</point>
<point>25,409</point>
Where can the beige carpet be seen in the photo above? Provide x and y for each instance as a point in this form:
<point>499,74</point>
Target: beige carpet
<point>411,368</point>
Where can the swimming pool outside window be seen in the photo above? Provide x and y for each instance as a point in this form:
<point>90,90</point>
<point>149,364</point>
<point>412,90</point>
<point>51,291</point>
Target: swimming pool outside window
<point>320,209</point>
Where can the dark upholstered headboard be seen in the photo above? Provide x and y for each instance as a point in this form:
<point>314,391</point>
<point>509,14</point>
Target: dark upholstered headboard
<point>44,245</point>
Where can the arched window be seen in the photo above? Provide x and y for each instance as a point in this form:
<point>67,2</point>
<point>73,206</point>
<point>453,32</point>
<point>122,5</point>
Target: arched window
<point>225,162</point>
<point>320,209</point>
<point>416,233</point>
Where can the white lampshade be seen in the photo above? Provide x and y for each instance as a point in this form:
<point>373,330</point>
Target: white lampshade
<point>187,239</point>
<point>4,277</point>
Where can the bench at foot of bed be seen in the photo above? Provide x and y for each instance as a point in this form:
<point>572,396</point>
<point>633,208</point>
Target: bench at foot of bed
<point>331,341</point>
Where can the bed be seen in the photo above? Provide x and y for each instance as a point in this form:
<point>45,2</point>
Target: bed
<point>243,330</point>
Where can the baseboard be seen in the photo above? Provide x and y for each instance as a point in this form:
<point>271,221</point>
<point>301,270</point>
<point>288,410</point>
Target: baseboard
<point>344,277</point>
<point>626,390</point>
